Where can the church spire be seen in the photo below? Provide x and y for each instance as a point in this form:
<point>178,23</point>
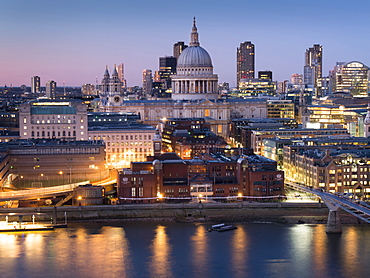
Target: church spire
<point>194,40</point>
<point>114,70</point>
<point>106,73</point>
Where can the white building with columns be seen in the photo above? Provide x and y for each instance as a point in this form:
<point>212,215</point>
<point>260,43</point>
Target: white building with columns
<point>194,95</point>
<point>194,78</point>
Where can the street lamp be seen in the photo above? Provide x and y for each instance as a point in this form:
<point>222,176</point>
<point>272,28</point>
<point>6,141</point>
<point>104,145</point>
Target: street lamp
<point>79,198</point>
<point>200,198</point>
<point>60,173</point>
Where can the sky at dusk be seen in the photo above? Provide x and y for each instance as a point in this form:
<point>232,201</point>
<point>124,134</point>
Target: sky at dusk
<point>73,40</point>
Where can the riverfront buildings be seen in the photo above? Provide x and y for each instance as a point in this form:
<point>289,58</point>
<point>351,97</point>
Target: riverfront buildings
<point>223,173</point>
<point>331,169</point>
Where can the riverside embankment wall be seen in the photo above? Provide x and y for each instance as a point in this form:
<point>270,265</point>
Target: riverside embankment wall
<point>290,213</point>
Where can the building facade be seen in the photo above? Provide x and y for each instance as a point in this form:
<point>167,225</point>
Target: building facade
<point>147,82</point>
<point>332,170</point>
<point>51,89</point>
<point>178,48</point>
<point>35,84</point>
<point>50,119</point>
<point>194,78</point>
<point>209,176</point>
<point>88,90</point>
<point>351,77</point>
<point>124,144</point>
<point>313,65</point>
<point>48,162</point>
<point>245,61</point>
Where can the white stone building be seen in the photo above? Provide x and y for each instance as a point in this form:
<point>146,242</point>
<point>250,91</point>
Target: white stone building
<point>124,144</point>
<point>53,119</point>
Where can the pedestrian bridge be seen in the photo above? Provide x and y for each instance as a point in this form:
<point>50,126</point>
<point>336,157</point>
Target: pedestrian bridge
<point>357,208</point>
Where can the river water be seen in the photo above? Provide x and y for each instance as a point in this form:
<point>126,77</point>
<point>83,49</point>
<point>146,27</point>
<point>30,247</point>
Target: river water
<point>154,249</point>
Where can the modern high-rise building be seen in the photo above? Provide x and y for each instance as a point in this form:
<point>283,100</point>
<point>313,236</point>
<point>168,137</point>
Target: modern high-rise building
<point>351,77</point>
<point>296,79</point>
<point>313,65</point>
<point>51,89</point>
<point>147,82</point>
<point>35,84</point>
<point>121,76</point>
<point>245,61</point>
<point>178,48</point>
<point>265,74</point>
<point>167,67</point>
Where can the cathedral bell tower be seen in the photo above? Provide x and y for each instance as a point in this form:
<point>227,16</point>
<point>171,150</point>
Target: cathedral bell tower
<point>111,89</point>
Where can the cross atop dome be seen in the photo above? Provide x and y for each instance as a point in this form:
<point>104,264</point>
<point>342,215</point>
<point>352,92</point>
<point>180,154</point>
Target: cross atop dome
<point>194,37</point>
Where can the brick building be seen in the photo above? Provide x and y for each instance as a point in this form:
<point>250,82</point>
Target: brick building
<point>227,173</point>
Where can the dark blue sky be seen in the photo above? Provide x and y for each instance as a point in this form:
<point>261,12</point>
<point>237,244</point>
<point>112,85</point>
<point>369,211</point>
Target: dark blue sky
<point>73,40</point>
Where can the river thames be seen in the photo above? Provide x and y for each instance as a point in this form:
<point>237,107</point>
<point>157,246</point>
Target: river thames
<point>156,249</point>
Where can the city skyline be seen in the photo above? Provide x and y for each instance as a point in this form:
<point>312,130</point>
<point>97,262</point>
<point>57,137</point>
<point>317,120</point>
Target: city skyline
<point>73,42</point>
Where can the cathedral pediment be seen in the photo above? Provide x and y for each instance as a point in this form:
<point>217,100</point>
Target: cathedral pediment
<point>206,102</point>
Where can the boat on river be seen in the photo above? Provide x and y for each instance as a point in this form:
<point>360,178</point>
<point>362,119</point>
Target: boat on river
<point>221,227</point>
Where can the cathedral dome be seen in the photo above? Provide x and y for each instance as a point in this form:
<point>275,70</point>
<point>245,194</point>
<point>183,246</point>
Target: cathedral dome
<point>194,78</point>
<point>194,56</point>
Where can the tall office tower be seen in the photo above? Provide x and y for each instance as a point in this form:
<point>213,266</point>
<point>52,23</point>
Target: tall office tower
<point>265,74</point>
<point>245,61</point>
<point>121,76</point>
<point>296,79</point>
<point>51,88</point>
<point>313,65</point>
<point>147,82</point>
<point>282,87</point>
<point>178,48</point>
<point>35,84</point>
<point>167,67</point>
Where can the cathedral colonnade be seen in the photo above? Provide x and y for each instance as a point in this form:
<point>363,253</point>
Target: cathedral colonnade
<point>195,86</point>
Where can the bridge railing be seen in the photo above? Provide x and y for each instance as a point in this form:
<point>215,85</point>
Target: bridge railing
<point>42,191</point>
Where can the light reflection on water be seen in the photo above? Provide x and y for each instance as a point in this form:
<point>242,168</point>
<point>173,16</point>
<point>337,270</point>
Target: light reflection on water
<point>160,265</point>
<point>200,252</point>
<point>130,249</point>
